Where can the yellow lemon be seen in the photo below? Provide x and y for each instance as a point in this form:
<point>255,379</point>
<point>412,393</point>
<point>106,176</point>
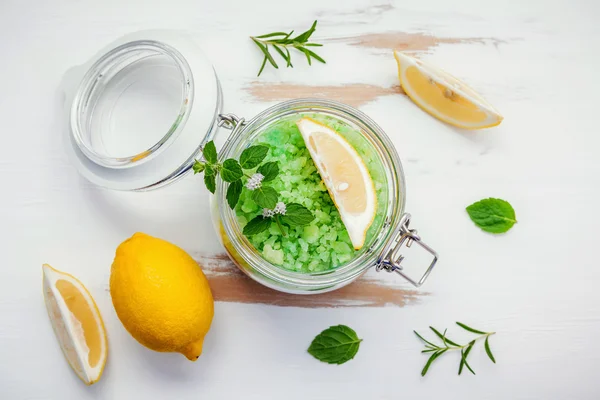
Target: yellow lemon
<point>444,96</point>
<point>161,295</point>
<point>345,175</point>
<point>77,324</point>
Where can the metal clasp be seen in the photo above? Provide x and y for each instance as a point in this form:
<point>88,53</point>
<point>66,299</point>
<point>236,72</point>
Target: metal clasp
<point>392,257</point>
<point>230,121</point>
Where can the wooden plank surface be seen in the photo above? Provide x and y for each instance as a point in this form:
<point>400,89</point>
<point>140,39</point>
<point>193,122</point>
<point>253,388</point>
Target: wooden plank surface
<point>535,61</point>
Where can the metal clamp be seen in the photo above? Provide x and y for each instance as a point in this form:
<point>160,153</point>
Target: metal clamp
<point>392,259</point>
<point>230,121</point>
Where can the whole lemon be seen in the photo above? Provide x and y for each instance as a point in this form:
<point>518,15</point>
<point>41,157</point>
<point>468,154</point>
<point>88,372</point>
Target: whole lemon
<point>161,295</point>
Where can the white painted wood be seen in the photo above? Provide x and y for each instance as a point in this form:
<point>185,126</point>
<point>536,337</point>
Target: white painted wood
<point>536,285</point>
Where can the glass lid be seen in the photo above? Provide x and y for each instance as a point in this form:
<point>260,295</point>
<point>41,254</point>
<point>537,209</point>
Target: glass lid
<point>138,112</point>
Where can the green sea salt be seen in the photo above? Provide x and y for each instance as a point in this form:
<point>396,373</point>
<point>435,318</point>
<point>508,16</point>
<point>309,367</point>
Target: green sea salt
<point>324,243</point>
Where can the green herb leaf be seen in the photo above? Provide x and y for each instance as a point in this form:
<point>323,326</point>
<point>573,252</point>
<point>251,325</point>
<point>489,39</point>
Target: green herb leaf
<point>262,66</point>
<point>444,339</point>
<point>210,182</point>
<point>252,156</point>
<point>233,193</point>
<point>335,345</point>
<point>289,58</point>
<point>466,354</point>
<point>210,152</point>
<point>303,37</point>
<point>231,171</point>
<point>271,35</point>
<point>265,51</point>
<point>314,55</point>
<point>269,170</point>
<point>297,215</point>
<point>282,54</point>
<point>492,215</point>
<point>265,197</point>
<point>468,328</point>
<point>256,225</point>
<point>198,167</point>
<point>209,170</point>
<point>463,358</point>
<point>469,368</point>
<point>488,350</point>
<point>431,360</point>
<point>425,340</point>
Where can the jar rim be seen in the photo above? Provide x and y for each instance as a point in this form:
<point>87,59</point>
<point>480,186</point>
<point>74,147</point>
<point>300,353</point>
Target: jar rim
<point>89,84</point>
<point>279,278</point>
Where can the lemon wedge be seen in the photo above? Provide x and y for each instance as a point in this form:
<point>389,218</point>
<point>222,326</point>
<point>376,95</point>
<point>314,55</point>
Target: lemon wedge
<point>444,96</point>
<point>77,324</point>
<point>345,175</point>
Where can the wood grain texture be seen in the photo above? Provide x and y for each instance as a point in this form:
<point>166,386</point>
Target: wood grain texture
<point>356,94</point>
<point>415,42</point>
<point>229,284</point>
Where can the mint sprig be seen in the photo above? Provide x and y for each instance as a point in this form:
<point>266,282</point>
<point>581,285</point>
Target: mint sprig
<point>233,172</point>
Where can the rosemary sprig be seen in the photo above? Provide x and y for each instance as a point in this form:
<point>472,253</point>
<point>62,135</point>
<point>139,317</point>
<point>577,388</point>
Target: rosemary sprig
<point>449,345</point>
<point>281,42</point>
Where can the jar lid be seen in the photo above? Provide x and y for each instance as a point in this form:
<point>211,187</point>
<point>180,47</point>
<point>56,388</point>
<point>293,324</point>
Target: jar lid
<point>140,110</point>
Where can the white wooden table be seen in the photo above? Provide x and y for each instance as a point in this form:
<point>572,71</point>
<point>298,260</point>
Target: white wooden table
<point>535,61</point>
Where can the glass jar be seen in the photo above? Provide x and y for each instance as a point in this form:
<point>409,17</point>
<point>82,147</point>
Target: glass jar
<point>383,250</point>
<point>141,110</point>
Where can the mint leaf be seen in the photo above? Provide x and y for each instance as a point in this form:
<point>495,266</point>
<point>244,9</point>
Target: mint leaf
<point>231,170</point>
<point>269,170</point>
<point>297,215</point>
<point>257,225</point>
<point>492,215</point>
<point>210,182</point>
<point>210,152</point>
<point>233,193</point>
<point>198,167</point>
<point>335,345</point>
<point>252,156</point>
<point>209,170</point>
<point>265,197</point>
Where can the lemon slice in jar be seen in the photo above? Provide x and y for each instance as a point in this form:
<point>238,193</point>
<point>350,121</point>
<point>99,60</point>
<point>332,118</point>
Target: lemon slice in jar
<point>77,324</point>
<point>345,175</point>
<point>444,96</point>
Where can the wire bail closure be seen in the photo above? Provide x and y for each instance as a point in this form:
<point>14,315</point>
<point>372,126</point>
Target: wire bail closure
<point>392,257</point>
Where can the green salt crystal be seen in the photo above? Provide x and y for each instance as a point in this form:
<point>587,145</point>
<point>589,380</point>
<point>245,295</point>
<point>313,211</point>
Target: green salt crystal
<point>341,247</point>
<point>272,255</point>
<point>303,245</point>
<point>311,233</point>
<point>342,258</point>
